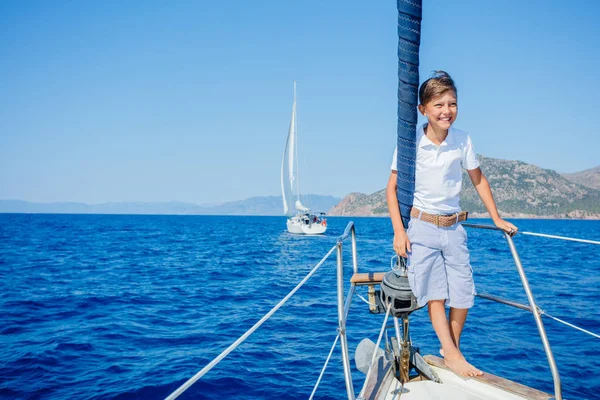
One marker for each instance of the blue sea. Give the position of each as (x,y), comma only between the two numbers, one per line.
(130,307)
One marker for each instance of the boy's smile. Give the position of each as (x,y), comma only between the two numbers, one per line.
(441,111)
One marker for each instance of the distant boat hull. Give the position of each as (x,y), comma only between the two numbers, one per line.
(306,224)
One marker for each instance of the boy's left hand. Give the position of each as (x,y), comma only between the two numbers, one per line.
(506,227)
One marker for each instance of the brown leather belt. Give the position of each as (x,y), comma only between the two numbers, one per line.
(439,219)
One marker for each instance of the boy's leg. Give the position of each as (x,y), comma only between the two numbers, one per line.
(458,316)
(461,291)
(429,283)
(437,314)
(453,358)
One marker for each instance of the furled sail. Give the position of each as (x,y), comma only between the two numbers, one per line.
(300,207)
(409,39)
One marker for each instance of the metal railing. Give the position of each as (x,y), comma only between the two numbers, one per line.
(343,309)
(532,305)
(344,302)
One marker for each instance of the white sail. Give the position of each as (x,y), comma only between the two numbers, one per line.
(300,207)
(288,174)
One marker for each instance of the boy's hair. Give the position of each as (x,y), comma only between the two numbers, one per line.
(439,83)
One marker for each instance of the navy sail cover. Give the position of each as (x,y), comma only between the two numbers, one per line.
(409,40)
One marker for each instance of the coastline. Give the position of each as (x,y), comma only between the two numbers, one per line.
(575,215)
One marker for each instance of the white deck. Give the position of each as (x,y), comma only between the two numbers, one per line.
(453,388)
(486,387)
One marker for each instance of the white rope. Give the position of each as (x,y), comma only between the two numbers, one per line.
(363,299)
(324,367)
(573,240)
(228,350)
(571,325)
(387,314)
(561,237)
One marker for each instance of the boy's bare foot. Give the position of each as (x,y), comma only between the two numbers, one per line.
(460,366)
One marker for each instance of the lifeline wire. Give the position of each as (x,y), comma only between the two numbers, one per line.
(324,367)
(571,325)
(232,347)
(363,299)
(387,314)
(572,240)
(561,237)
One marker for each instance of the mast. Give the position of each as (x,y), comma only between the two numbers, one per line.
(297,170)
(409,39)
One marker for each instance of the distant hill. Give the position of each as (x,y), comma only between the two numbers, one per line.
(520,190)
(269,205)
(589,178)
(172,207)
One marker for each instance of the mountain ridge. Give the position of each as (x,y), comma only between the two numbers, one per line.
(521,190)
(258,205)
(589,177)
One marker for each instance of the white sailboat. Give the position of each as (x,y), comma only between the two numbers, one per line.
(300,219)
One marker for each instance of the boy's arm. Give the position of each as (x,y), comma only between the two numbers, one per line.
(401,242)
(485,193)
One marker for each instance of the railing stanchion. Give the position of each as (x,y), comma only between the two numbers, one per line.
(342,322)
(534,308)
(354,256)
(537,317)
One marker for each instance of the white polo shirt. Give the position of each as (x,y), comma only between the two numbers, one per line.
(438,173)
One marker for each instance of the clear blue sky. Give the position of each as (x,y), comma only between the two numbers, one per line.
(191,100)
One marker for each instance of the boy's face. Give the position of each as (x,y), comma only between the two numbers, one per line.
(441,111)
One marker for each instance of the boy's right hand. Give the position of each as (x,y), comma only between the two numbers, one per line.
(401,244)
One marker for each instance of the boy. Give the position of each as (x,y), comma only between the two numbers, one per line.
(439,271)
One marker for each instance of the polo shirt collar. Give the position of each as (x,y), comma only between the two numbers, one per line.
(424,140)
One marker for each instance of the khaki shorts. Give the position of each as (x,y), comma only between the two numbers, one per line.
(439,264)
